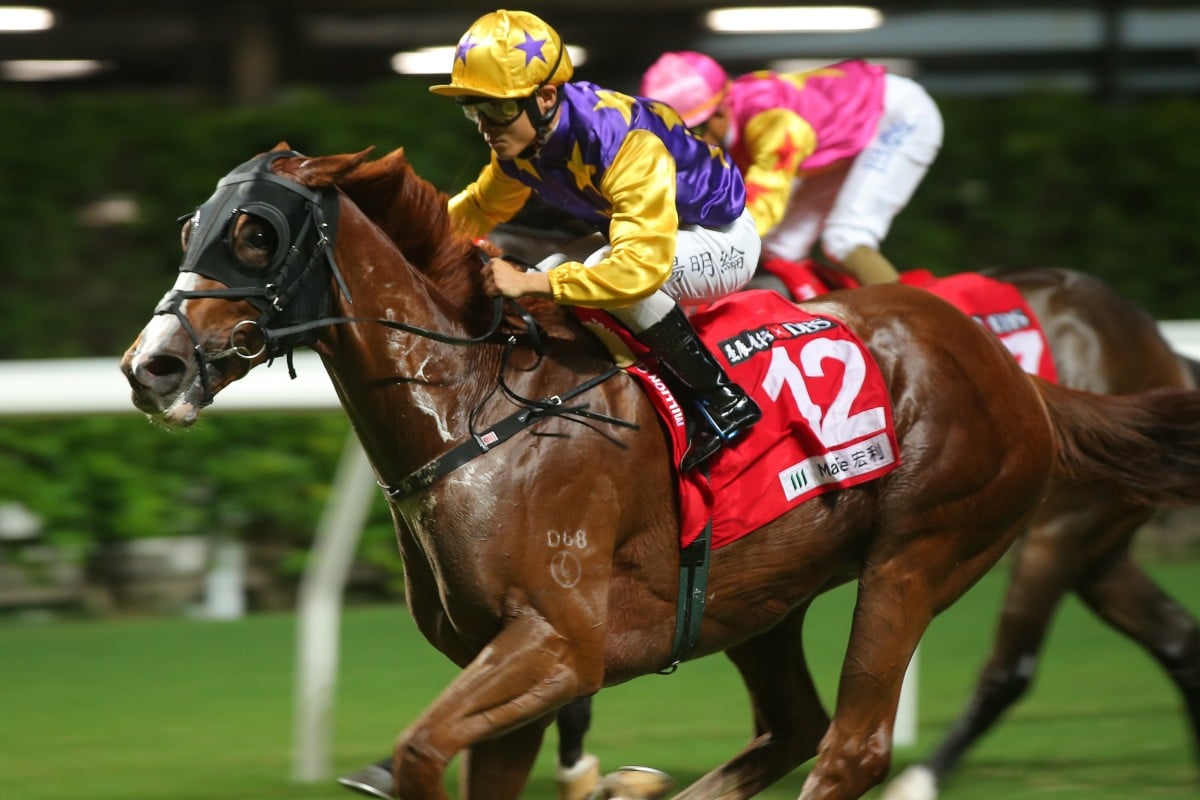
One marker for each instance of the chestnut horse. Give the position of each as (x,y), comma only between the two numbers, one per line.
(357,259)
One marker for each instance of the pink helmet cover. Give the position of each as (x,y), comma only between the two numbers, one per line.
(690,82)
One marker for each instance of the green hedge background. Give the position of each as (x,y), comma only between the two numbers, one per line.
(1053,179)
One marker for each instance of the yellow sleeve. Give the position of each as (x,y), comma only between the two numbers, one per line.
(639,186)
(778,142)
(493,198)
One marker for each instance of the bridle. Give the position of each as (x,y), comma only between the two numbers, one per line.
(292,307)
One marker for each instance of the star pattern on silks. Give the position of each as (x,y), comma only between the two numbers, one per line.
(532,48)
(621,102)
(464,44)
(754,191)
(717,152)
(788,154)
(668,115)
(582,171)
(525,165)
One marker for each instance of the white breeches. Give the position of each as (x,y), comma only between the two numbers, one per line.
(709,264)
(854,203)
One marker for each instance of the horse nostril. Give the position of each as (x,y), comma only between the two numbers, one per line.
(161,373)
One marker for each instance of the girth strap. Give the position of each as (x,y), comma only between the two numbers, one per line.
(693,592)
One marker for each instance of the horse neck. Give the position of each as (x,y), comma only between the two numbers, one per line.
(403,388)
(407,396)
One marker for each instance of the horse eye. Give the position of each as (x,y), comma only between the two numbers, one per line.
(262,239)
(254,242)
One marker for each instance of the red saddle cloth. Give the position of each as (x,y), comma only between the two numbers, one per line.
(827,416)
(995,304)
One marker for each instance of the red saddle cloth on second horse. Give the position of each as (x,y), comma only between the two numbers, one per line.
(827,415)
(997,305)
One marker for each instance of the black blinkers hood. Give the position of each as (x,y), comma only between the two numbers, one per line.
(304,221)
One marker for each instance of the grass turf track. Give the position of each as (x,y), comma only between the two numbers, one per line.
(192,710)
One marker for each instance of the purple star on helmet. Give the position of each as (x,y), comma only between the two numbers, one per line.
(464,44)
(532,48)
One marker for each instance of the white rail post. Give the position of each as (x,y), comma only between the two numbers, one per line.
(319,612)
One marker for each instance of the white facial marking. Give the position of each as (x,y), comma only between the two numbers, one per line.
(159,330)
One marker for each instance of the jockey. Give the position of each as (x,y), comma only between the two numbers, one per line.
(834,152)
(672,207)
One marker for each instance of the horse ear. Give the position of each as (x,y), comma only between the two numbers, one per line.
(283,145)
(328,170)
(394,159)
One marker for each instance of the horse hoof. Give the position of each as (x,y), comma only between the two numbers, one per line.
(915,783)
(579,781)
(373,781)
(634,783)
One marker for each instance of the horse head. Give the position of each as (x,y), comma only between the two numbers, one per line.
(262,270)
(250,253)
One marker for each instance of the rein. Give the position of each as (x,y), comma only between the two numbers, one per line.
(275,335)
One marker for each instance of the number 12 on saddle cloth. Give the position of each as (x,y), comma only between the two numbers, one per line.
(827,416)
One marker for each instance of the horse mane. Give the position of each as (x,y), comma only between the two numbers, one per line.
(412,212)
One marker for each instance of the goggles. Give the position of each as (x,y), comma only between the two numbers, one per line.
(494,112)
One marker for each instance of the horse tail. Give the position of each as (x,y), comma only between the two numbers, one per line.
(1144,446)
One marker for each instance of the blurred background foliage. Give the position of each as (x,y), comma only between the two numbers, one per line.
(1027,180)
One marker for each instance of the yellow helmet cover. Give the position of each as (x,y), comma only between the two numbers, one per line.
(507,54)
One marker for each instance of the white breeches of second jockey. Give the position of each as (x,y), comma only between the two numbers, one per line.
(854,203)
(709,264)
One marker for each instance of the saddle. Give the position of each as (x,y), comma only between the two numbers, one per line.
(821,430)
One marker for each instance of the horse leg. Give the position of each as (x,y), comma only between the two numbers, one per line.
(577,773)
(517,680)
(897,598)
(1040,576)
(499,767)
(855,752)
(1125,597)
(373,780)
(789,719)
(1055,555)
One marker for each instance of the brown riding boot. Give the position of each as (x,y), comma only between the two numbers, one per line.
(870,266)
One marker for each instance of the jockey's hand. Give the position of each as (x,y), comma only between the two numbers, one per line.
(502,278)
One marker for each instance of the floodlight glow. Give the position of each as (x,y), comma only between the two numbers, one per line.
(433,60)
(36,70)
(793,19)
(25,18)
(426,61)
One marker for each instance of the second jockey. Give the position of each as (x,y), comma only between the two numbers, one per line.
(833,153)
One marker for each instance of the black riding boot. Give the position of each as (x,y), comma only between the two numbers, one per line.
(725,409)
